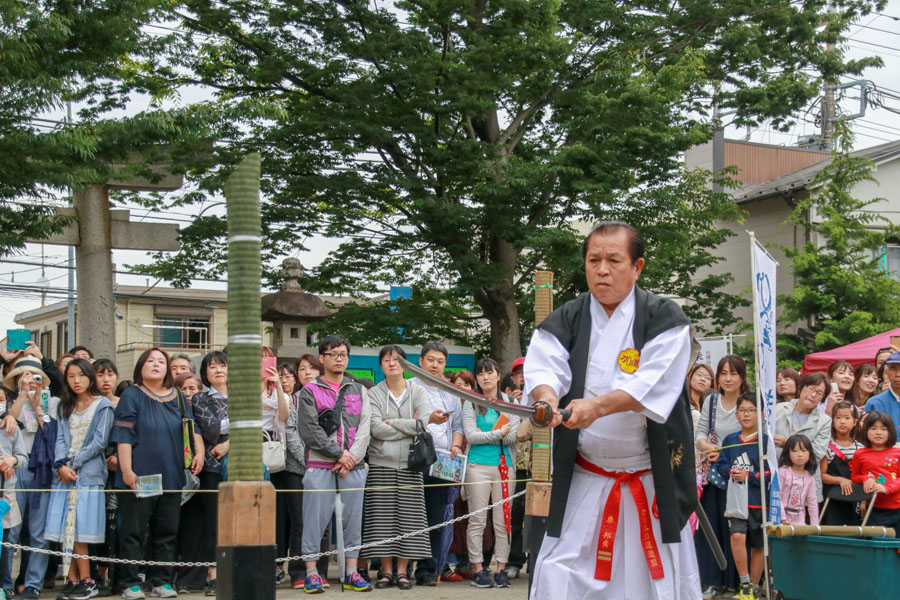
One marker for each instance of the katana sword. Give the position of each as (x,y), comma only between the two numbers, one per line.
(541,412)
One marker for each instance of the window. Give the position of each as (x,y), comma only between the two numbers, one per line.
(62,337)
(46,344)
(181,332)
(890,260)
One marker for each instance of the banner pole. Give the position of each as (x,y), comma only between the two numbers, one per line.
(760,401)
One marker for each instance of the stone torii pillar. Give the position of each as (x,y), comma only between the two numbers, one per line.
(96,233)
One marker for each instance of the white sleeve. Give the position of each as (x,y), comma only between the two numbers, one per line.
(661,373)
(546,363)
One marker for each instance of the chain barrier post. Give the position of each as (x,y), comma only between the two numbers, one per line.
(537,494)
(245,549)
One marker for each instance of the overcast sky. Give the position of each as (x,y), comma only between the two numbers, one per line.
(878,34)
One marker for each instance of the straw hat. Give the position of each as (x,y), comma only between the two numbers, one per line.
(25,364)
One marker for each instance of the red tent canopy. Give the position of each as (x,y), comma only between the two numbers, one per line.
(857,353)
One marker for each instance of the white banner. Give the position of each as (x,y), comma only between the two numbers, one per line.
(712,350)
(764,267)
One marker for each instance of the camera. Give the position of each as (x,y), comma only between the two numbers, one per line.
(37,377)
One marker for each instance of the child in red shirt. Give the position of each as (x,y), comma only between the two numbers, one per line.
(877,467)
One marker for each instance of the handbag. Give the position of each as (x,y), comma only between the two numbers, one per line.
(738,497)
(187,431)
(273,453)
(704,468)
(421,451)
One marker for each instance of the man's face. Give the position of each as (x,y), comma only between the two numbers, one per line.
(892,374)
(519,377)
(610,273)
(433,362)
(335,359)
(179,366)
(83,354)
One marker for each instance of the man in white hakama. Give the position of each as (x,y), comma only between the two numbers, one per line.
(609,544)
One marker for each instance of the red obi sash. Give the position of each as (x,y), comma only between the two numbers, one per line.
(610,523)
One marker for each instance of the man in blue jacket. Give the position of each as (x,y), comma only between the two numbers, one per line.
(889,402)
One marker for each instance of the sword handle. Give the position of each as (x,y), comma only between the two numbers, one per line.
(543,414)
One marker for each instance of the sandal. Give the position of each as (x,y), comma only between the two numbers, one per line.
(385,582)
(403,582)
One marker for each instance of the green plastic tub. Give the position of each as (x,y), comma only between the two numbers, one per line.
(824,568)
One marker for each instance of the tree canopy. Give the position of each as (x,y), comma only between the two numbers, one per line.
(55,52)
(451,143)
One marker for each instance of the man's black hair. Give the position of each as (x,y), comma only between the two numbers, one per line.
(635,240)
(508,383)
(75,349)
(434,347)
(748,397)
(333,341)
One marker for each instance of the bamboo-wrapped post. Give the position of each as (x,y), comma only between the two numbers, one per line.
(537,491)
(245,549)
(849,531)
(537,496)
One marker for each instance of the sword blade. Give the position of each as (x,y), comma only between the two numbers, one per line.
(525,412)
(711,539)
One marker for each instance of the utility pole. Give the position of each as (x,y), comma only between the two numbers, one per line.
(70,309)
(828,108)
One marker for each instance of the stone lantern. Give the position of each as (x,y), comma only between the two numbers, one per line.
(290,310)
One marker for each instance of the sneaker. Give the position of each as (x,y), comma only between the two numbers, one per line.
(66,592)
(313,584)
(85,590)
(279,575)
(163,591)
(103,588)
(501,579)
(29,593)
(746,592)
(355,582)
(512,572)
(482,579)
(133,593)
(710,592)
(451,575)
(297,584)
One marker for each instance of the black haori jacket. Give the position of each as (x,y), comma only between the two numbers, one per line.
(671,444)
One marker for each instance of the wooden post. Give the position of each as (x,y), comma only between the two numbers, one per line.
(245,548)
(537,492)
(537,496)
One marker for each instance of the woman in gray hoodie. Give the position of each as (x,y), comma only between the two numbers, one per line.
(395,500)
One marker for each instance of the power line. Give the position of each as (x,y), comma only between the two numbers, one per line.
(876,29)
(876,45)
(881,14)
(69,267)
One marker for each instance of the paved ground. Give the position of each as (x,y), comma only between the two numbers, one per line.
(446,591)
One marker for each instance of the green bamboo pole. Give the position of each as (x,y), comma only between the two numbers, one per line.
(244,321)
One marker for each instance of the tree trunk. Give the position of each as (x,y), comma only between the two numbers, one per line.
(503,316)
(499,304)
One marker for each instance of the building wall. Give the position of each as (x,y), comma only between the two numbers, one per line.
(759,163)
(767,218)
(133,335)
